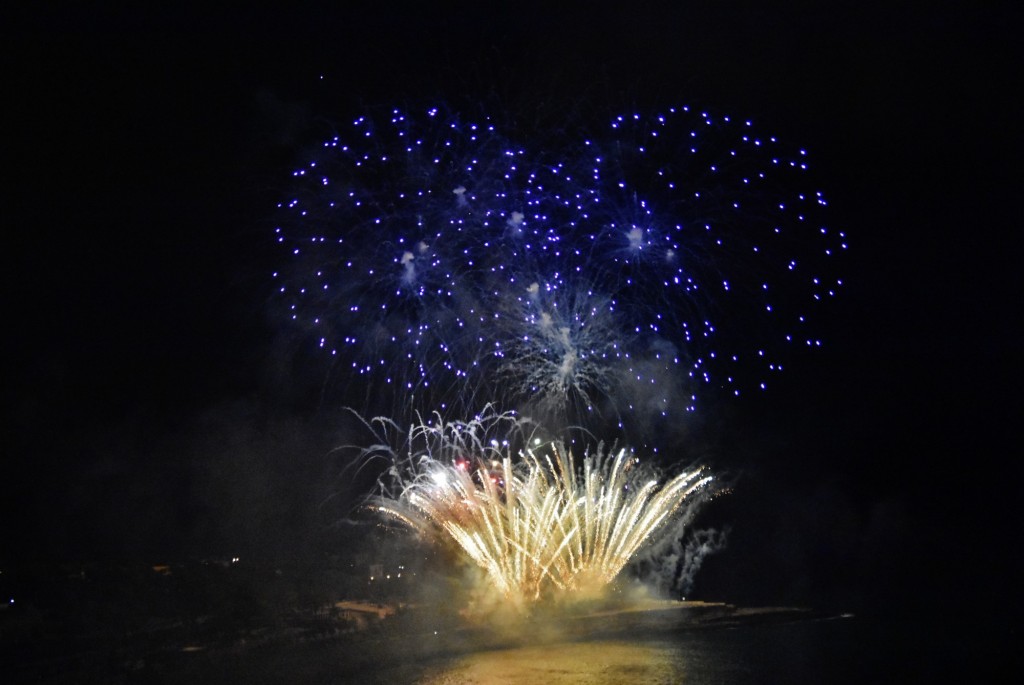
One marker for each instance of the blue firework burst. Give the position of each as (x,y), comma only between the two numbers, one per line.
(449,266)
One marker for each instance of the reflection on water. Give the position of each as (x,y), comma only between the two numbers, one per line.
(835,651)
(598,663)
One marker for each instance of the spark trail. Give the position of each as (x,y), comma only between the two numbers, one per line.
(603,282)
(536,522)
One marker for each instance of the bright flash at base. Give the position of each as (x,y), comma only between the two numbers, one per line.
(534,522)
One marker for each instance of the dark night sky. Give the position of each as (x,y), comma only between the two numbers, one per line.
(144,409)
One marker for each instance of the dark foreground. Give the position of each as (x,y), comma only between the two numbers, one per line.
(684,643)
(249,641)
(734,647)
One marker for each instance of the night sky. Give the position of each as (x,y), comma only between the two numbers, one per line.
(154,409)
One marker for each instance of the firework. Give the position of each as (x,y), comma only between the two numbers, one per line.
(715,228)
(596,284)
(387,230)
(447,266)
(533,521)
